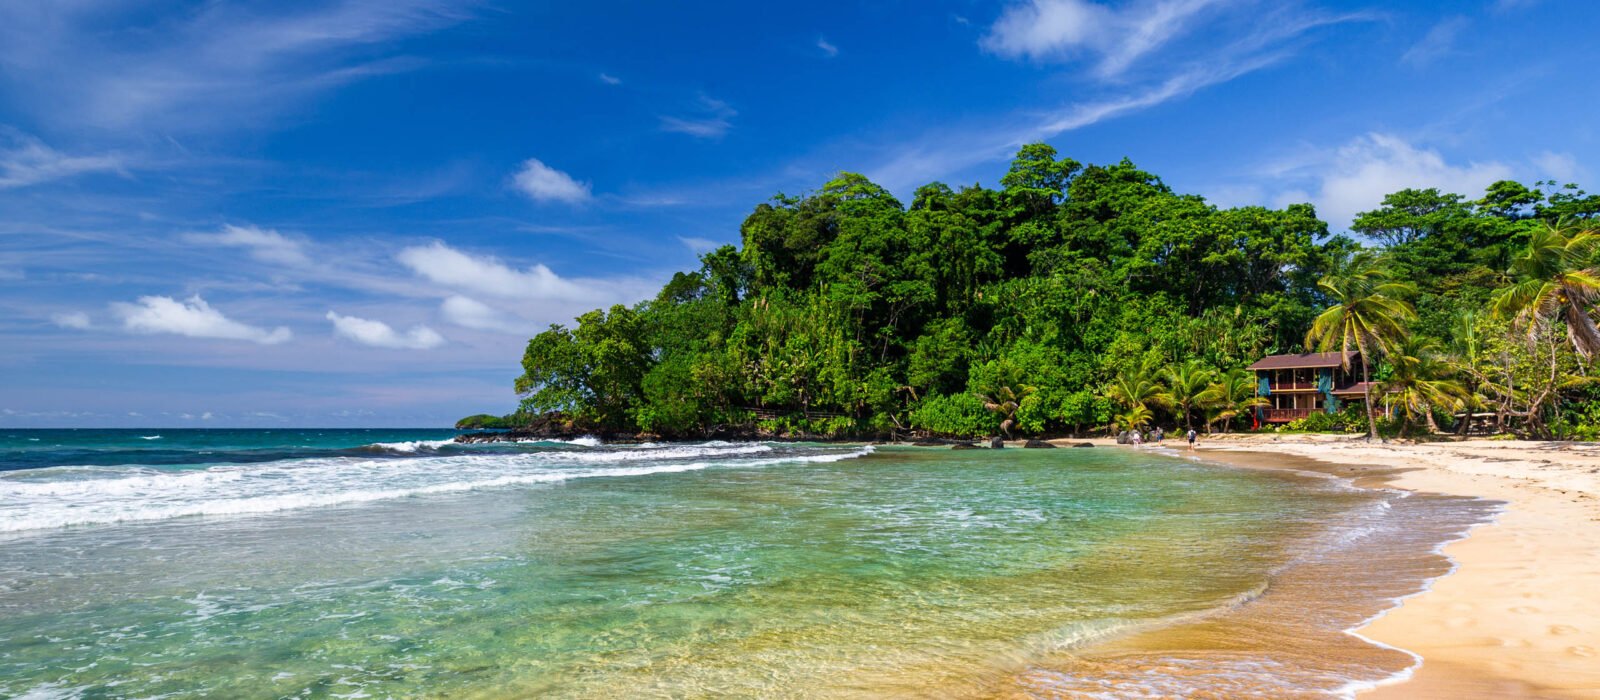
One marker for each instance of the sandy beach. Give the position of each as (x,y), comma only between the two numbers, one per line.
(1520,615)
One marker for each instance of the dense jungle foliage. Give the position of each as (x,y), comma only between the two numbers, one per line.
(1081,298)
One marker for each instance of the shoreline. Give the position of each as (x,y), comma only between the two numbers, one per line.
(1515,617)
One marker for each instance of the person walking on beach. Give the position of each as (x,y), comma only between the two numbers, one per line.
(1191,437)
(1160,435)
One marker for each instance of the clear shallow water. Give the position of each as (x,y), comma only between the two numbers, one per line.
(344,568)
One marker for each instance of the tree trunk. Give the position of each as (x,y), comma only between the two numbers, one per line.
(1433,426)
(1366,387)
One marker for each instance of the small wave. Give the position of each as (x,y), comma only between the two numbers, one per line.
(409,447)
(149,437)
(585,441)
(73,496)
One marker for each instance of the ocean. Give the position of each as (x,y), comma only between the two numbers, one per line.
(396,563)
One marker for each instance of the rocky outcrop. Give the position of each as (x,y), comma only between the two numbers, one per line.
(1039,445)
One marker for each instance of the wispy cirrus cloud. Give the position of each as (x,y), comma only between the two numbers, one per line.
(1240,37)
(712,118)
(262,244)
(91,62)
(827,47)
(25,160)
(1436,44)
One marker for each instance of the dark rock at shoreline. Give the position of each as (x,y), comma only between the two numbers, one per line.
(965,446)
(997,443)
(1084,444)
(1039,445)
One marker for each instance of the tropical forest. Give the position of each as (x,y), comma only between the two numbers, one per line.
(1084,299)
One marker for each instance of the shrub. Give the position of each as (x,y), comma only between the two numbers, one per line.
(957,415)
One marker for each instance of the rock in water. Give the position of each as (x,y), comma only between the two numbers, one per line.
(1084,444)
(965,446)
(1039,445)
(997,442)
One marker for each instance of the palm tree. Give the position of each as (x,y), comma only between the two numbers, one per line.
(1421,381)
(1469,360)
(1138,388)
(1185,383)
(1369,318)
(1134,418)
(1232,395)
(1557,279)
(1003,401)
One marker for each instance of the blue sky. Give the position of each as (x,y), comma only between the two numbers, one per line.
(355,213)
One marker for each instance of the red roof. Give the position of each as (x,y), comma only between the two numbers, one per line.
(1303,360)
(1356,389)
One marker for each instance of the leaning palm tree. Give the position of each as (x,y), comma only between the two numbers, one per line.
(1557,279)
(1370,317)
(1231,396)
(1134,418)
(1185,383)
(1421,381)
(1003,401)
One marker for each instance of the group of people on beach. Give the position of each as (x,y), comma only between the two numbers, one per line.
(1137,437)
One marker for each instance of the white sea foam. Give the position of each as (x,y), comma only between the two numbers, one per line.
(69,496)
(585,441)
(149,437)
(412,446)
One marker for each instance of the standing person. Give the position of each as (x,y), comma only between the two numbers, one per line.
(1191,437)
(1160,435)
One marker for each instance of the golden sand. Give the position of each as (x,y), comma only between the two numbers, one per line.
(1520,615)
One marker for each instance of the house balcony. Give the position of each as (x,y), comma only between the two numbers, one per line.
(1279,387)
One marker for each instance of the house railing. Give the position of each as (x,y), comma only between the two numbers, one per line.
(1294,386)
(1284,415)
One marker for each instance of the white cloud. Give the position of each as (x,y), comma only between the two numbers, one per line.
(76,319)
(263,244)
(1065,29)
(218,65)
(486,275)
(193,318)
(828,49)
(542,183)
(25,160)
(1561,167)
(380,335)
(610,79)
(1359,174)
(1251,38)
(1436,44)
(712,121)
(471,313)
(698,245)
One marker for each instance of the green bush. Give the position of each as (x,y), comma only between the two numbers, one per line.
(1345,421)
(958,415)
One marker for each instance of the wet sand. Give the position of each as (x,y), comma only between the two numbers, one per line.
(1519,617)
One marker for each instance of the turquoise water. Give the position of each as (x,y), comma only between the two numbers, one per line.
(354,564)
